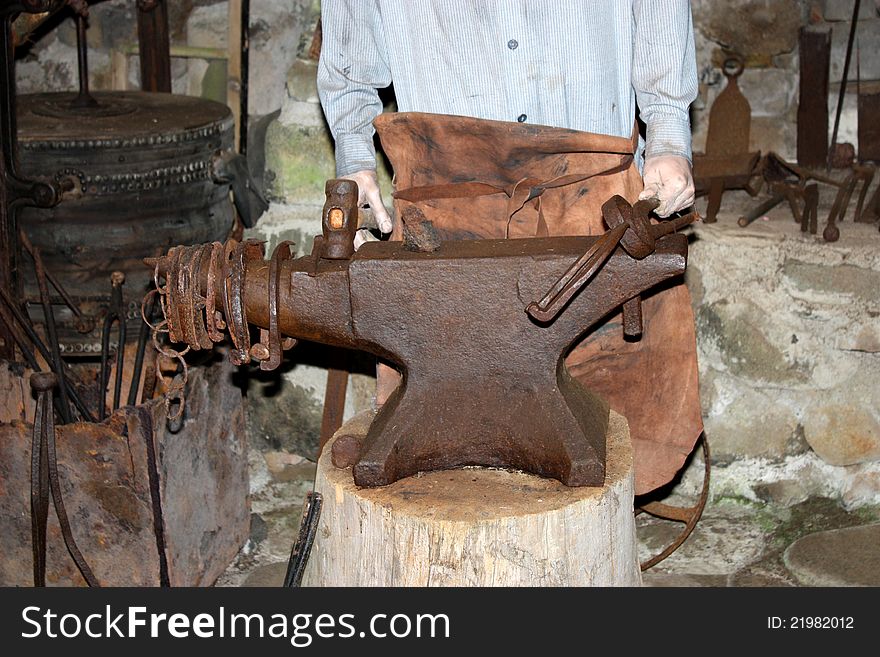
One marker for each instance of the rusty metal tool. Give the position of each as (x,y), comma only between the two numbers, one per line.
(727,162)
(631,228)
(791,181)
(45,480)
(308,527)
(864,174)
(690,516)
(115,313)
(760,210)
(52,335)
(16,316)
(16,189)
(449,319)
(62,291)
(730,118)
(810,217)
(83,98)
(140,352)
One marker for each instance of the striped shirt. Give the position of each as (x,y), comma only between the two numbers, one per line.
(581,64)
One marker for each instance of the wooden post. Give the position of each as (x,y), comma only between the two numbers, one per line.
(476,526)
(812,117)
(154,43)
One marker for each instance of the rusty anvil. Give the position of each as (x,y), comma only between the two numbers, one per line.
(484,379)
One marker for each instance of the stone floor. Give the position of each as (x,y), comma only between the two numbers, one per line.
(738,542)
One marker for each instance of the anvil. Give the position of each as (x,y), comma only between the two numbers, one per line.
(483,382)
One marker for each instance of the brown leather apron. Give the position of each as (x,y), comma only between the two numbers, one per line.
(474,178)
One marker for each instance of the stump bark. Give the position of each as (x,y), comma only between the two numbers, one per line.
(476,526)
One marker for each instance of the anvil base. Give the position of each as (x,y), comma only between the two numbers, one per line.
(551,428)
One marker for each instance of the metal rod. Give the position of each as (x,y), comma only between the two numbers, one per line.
(114,313)
(52,335)
(243,97)
(760,210)
(9,279)
(143,337)
(68,300)
(840,96)
(308,528)
(23,322)
(84,98)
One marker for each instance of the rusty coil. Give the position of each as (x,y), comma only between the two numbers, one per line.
(200,320)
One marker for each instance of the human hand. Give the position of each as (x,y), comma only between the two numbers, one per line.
(370,196)
(669,179)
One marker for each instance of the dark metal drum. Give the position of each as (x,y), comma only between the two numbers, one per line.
(142,171)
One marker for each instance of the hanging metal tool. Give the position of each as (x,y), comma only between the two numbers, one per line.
(302,547)
(690,516)
(115,313)
(45,480)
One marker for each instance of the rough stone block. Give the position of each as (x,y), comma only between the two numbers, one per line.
(112,24)
(208,26)
(51,68)
(843,435)
(848,131)
(750,423)
(868,39)
(276,28)
(842,10)
(302,81)
(787,332)
(785,492)
(777,134)
(302,160)
(285,414)
(858,282)
(740,334)
(863,489)
(752,27)
(771,92)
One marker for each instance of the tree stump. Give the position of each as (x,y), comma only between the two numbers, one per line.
(476,526)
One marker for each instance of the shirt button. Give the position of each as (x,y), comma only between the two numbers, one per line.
(513,44)
(522,118)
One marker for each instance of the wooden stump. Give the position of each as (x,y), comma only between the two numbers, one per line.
(476,526)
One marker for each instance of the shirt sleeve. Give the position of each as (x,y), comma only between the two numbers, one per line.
(353,65)
(664,74)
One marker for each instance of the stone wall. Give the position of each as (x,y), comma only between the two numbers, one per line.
(279,30)
(789,347)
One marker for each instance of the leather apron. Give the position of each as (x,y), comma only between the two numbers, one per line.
(475,178)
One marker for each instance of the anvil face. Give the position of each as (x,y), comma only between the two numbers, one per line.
(483,383)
